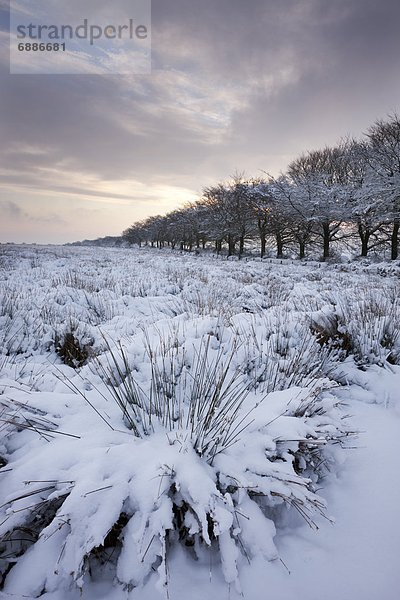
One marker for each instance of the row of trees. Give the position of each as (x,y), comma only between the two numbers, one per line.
(350,190)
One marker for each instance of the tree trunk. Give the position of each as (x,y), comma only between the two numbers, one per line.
(241,246)
(395,239)
(302,246)
(263,244)
(364,237)
(231,245)
(364,245)
(279,245)
(326,236)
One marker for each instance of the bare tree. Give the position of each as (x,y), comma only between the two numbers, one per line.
(232,213)
(365,204)
(384,159)
(322,175)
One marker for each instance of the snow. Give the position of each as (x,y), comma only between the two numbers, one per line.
(272,340)
(358,556)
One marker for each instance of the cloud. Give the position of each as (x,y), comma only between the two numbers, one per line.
(234,86)
(10,209)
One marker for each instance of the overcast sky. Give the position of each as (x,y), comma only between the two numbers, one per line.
(236,85)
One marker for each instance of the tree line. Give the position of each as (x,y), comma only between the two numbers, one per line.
(348,191)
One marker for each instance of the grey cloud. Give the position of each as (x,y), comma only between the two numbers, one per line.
(48,219)
(235,85)
(14,212)
(10,209)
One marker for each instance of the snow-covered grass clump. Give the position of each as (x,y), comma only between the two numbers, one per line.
(149,401)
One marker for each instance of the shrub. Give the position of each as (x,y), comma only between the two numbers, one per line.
(195,458)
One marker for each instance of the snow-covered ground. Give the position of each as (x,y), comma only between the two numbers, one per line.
(300,360)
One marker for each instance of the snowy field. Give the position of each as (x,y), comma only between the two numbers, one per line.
(177,425)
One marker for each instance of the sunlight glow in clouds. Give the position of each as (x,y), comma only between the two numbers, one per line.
(68,213)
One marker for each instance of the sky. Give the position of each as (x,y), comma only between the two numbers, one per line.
(235,86)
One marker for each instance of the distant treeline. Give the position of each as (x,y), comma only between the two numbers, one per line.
(351,190)
(106,242)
